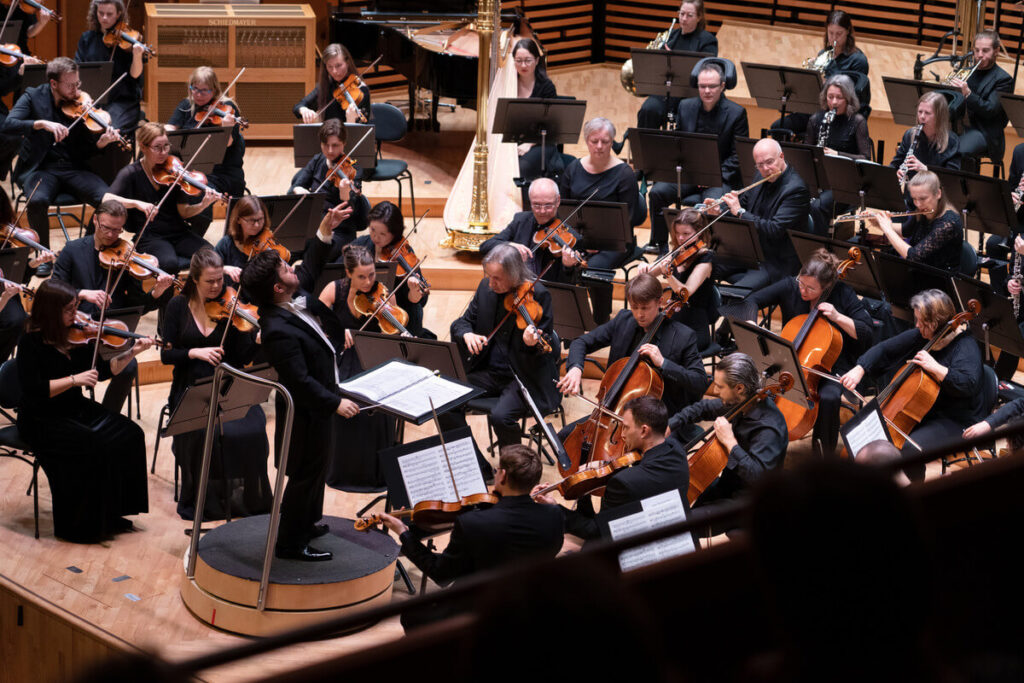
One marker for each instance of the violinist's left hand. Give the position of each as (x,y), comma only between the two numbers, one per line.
(724,433)
(229,120)
(40,259)
(929,364)
(209,198)
(531,337)
(415,289)
(568,257)
(141,344)
(138,49)
(344,187)
(162,283)
(545,498)
(30,59)
(109,135)
(653,354)
(393,523)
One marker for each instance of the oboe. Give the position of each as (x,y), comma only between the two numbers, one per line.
(911,150)
(826,127)
(1016,276)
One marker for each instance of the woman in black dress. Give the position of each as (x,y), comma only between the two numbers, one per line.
(386,233)
(842,308)
(533,82)
(168,236)
(335,66)
(122,103)
(32,23)
(94,459)
(238,472)
(614,181)
(931,143)
(355,465)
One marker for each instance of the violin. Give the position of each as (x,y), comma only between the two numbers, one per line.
(11,54)
(433,512)
(217,116)
(33,7)
(261,242)
(245,318)
(192,183)
(406,258)
(598,437)
(22,237)
(116,334)
(709,461)
(125,38)
(391,317)
(556,237)
(143,267)
(592,479)
(818,344)
(347,168)
(26,293)
(349,94)
(94,118)
(527,311)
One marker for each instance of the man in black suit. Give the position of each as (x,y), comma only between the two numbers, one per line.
(51,154)
(985,133)
(544,202)
(292,328)
(663,467)
(710,112)
(509,350)
(672,348)
(774,207)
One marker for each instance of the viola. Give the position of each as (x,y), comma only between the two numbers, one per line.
(818,344)
(192,183)
(94,118)
(527,311)
(115,335)
(217,116)
(143,267)
(391,317)
(433,512)
(556,237)
(33,7)
(261,242)
(349,94)
(592,479)
(709,461)
(406,258)
(125,38)
(598,437)
(11,54)
(245,318)
(21,237)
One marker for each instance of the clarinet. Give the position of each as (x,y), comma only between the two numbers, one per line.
(1016,276)
(911,150)
(826,127)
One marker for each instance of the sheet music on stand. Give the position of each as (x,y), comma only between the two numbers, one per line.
(654,512)
(406,390)
(418,471)
(865,427)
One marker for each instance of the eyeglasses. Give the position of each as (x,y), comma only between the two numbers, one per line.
(200,91)
(525,62)
(544,207)
(806,288)
(160,148)
(253,220)
(75,84)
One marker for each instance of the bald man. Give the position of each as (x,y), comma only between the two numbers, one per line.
(774,207)
(544,202)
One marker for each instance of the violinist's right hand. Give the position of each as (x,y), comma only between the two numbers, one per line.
(89,378)
(978,429)
(58,131)
(209,354)
(298,189)
(852,378)
(308,115)
(524,251)
(30,59)
(347,408)
(544,498)
(571,382)
(474,342)
(349,341)
(97,297)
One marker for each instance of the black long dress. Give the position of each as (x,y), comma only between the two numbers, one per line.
(238,470)
(354,465)
(94,459)
(123,102)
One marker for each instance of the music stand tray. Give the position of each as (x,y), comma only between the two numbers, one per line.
(987,200)
(14,263)
(601,225)
(773,356)
(863,278)
(902,279)
(736,242)
(11,31)
(301,226)
(570,310)
(783,88)
(996,325)
(851,177)
(553,121)
(1013,105)
(664,73)
(676,157)
(306,143)
(440,356)
(184,144)
(234,402)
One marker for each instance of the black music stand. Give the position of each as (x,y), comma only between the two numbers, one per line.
(11,31)
(95,77)
(772,355)
(784,88)
(14,263)
(1013,105)
(986,201)
(806,160)
(543,121)
(676,157)
(862,184)
(570,310)
(902,279)
(996,325)
(665,73)
(903,94)
(440,356)
(386,273)
(301,226)
(863,278)
(306,143)
(234,402)
(184,144)
(601,225)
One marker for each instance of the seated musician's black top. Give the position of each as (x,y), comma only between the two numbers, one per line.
(543,87)
(936,243)
(848,135)
(521,230)
(334,109)
(985,111)
(92,49)
(696,41)
(775,208)
(855,61)
(78,264)
(728,121)
(37,146)
(927,153)
(616,184)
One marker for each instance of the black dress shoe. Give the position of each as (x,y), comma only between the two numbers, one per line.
(319,530)
(304,554)
(655,248)
(44,270)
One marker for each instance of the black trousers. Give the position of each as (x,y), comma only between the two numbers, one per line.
(54,179)
(601,292)
(302,504)
(930,433)
(174,252)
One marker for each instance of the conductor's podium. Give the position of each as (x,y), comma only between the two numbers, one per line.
(229,563)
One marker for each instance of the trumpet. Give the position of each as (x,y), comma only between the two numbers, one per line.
(967,67)
(820,61)
(867,215)
(626,76)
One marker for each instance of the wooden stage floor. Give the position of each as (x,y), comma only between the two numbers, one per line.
(145,610)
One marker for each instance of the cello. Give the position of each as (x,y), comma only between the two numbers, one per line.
(818,344)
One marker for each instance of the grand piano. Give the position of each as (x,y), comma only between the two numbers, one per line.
(434,49)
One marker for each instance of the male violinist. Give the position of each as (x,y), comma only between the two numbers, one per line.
(514,529)
(756,440)
(332,149)
(54,156)
(672,349)
(79,265)
(544,202)
(509,349)
(662,468)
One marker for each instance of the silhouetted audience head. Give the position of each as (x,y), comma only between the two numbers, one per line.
(881,454)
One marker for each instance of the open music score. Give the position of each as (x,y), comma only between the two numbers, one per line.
(426,476)
(405,389)
(655,512)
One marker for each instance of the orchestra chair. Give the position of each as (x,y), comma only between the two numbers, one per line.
(390,126)
(161,423)
(11,443)
(997,165)
(485,406)
(969,263)
(989,393)
(57,210)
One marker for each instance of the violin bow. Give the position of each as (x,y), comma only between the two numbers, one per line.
(122,20)
(92,104)
(687,243)
(604,411)
(359,75)
(10,13)
(444,447)
(392,293)
(563,222)
(415,224)
(220,98)
(519,300)
(14,225)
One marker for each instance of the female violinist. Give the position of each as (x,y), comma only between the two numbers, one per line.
(341,189)
(935,238)
(94,458)
(386,234)
(12,317)
(337,70)
(692,274)
(32,22)
(168,237)
(203,91)
(238,477)
(123,101)
(533,82)
(818,287)
(953,361)
(355,467)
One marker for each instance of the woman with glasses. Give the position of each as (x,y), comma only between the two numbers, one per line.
(123,101)
(533,82)
(817,286)
(168,236)
(321,104)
